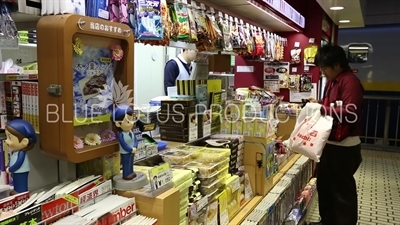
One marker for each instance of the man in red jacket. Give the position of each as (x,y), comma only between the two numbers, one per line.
(343,100)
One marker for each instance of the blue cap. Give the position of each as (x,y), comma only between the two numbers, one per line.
(120,111)
(25,128)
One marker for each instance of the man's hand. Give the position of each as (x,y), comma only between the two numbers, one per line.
(313,100)
(134,150)
(8,170)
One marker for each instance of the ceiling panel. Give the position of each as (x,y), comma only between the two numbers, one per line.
(249,13)
(352,11)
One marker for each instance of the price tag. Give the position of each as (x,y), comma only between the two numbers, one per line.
(297,44)
(306,68)
(294,69)
(202,203)
(212,10)
(311,40)
(235,185)
(224,218)
(160,176)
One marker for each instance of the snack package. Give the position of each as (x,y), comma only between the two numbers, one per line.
(166,23)
(123,11)
(309,54)
(113,9)
(132,14)
(215,33)
(306,82)
(295,56)
(192,22)
(148,20)
(236,41)
(224,25)
(294,82)
(259,40)
(180,22)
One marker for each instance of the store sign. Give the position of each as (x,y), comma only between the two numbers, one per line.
(160,176)
(104,27)
(287,10)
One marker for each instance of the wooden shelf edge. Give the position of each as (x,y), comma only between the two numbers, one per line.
(245,211)
(248,208)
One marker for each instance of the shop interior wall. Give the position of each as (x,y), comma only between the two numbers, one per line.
(149,64)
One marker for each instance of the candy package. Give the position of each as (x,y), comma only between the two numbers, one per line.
(180,20)
(148,20)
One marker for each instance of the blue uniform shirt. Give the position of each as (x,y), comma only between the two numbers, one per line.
(126,141)
(19,162)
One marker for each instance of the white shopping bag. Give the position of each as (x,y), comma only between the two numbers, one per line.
(311,132)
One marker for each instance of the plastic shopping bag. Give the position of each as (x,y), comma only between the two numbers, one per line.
(311,132)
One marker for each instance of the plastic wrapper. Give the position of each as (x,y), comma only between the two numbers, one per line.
(8,29)
(212,156)
(207,190)
(176,157)
(207,169)
(192,23)
(148,20)
(207,180)
(180,22)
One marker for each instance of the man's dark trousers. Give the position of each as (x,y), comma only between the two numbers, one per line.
(337,190)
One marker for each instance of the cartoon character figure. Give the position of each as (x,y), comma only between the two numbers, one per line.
(123,118)
(21,137)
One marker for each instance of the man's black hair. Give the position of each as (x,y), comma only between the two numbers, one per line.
(330,56)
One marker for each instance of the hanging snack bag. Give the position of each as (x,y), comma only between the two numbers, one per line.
(180,21)
(192,22)
(224,25)
(249,39)
(309,54)
(242,35)
(259,40)
(215,33)
(201,27)
(305,82)
(148,20)
(235,34)
(166,22)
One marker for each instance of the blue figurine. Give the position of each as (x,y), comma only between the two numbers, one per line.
(21,137)
(123,118)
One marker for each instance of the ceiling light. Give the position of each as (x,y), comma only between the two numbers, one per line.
(337,8)
(344,21)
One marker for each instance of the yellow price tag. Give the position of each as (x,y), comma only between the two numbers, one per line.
(72,199)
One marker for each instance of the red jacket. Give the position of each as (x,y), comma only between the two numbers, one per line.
(347,94)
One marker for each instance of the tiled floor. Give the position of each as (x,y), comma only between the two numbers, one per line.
(378,181)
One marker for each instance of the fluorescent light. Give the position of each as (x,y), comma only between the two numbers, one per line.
(271,15)
(337,8)
(344,21)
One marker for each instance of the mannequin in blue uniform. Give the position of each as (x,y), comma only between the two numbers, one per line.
(124,120)
(21,137)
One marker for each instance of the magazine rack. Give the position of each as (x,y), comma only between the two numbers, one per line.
(79,76)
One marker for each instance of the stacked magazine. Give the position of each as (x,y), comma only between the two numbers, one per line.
(88,200)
